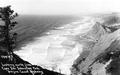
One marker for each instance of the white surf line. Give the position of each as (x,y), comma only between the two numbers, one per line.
(57,50)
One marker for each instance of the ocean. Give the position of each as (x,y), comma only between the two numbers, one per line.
(31,26)
(51,42)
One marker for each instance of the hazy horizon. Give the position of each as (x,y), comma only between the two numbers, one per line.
(62,7)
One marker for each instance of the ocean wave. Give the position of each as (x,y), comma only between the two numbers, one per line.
(58,48)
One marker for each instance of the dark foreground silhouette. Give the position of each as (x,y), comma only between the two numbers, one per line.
(17,66)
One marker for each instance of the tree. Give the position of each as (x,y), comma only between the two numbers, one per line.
(7,38)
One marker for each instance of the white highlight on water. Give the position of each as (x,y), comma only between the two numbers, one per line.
(59,48)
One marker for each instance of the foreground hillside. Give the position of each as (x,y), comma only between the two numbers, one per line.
(17,66)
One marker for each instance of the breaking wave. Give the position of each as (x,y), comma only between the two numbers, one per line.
(58,48)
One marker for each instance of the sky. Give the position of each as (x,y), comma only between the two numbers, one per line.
(38,7)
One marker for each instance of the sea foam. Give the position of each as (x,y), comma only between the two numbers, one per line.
(58,49)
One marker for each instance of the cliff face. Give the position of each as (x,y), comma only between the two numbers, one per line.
(101,52)
(58,48)
(84,47)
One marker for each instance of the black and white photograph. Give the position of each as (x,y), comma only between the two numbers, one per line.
(59,37)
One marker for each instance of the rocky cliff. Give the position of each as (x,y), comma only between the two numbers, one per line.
(101,50)
(86,47)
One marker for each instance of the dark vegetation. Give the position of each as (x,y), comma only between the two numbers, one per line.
(17,60)
(111,53)
(109,22)
(114,67)
(111,19)
(8,60)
